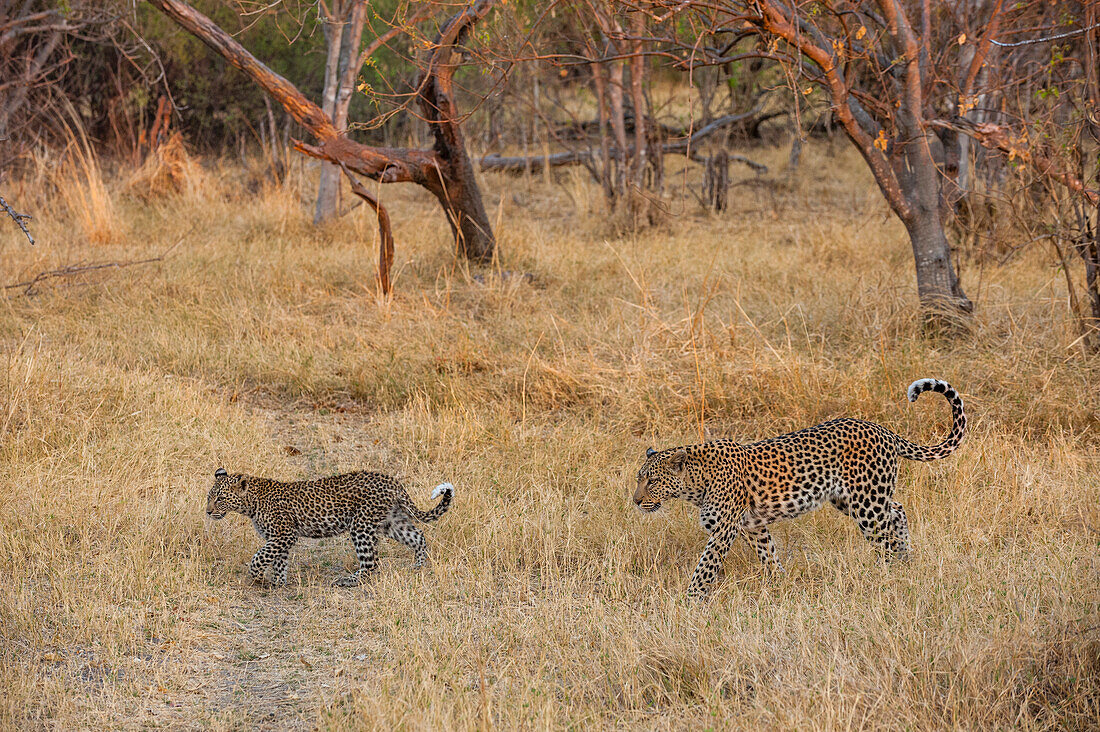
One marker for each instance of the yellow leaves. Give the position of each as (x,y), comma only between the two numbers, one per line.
(838,48)
(861,32)
(962,38)
(880,141)
(807,90)
(966,104)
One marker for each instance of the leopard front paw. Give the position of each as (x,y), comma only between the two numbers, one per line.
(696,592)
(351,580)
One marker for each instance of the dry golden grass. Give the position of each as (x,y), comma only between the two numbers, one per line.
(168,170)
(550,602)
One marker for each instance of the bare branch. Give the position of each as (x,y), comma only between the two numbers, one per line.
(1046,39)
(20,219)
(385,231)
(75,269)
(1000,138)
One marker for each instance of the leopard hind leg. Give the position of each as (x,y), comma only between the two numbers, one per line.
(364,537)
(899,526)
(879,521)
(400,527)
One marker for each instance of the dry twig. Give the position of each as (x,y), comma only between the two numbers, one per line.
(74,269)
(385,232)
(18,218)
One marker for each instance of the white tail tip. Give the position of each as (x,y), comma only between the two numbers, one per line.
(441,489)
(920,386)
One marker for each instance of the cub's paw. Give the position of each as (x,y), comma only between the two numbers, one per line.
(351,580)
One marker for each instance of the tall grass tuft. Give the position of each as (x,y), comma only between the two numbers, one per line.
(79,180)
(168,170)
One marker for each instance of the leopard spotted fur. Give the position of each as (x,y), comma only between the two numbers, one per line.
(741,489)
(362,504)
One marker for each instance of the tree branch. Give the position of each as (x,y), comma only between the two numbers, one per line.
(998,137)
(18,218)
(305,112)
(75,269)
(385,232)
(776,23)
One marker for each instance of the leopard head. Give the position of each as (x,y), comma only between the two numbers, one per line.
(228,494)
(661,477)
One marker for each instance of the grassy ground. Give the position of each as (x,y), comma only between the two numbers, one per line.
(260,344)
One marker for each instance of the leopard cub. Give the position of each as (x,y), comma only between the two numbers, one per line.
(363,504)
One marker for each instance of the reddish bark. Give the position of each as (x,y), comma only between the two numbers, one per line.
(385,231)
(445,170)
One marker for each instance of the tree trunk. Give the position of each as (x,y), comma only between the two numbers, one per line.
(343,34)
(618,125)
(599,82)
(444,170)
(457,189)
(328,188)
(919,180)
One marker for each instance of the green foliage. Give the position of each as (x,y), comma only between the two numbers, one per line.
(217,101)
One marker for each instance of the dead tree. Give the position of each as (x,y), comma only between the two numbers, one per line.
(444,170)
(716,180)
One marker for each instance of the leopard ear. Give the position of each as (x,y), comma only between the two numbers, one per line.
(677,460)
(650,452)
(220,473)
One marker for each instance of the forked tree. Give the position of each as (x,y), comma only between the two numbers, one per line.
(444,169)
(882,64)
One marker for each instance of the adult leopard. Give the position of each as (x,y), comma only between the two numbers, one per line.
(851,463)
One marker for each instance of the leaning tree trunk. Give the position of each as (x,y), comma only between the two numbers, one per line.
(444,170)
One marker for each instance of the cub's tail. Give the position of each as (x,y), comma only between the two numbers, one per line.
(443,489)
(912,451)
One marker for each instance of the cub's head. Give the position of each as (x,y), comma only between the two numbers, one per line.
(226,495)
(661,477)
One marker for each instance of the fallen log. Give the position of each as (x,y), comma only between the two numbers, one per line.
(533,164)
(684,146)
(494,162)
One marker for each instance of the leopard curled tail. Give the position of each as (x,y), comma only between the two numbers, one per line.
(443,489)
(913,451)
